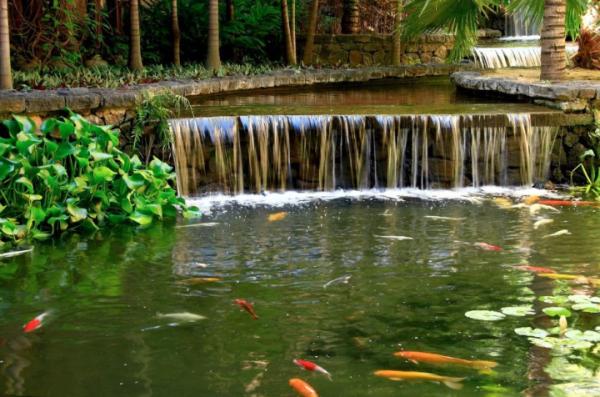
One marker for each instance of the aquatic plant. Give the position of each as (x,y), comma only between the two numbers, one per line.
(66,173)
(588,53)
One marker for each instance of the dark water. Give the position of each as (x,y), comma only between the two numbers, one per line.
(388,96)
(103,337)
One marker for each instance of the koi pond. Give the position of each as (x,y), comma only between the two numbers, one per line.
(342,280)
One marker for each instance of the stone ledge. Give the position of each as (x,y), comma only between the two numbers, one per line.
(569,96)
(89,100)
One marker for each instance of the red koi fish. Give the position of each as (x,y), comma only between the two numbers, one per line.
(310,366)
(302,388)
(36,323)
(488,247)
(247,306)
(535,269)
(566,203)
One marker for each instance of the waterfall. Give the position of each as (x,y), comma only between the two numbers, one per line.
(510,57)
(518,27)
(276,153)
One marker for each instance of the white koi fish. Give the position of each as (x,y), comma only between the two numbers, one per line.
(542,222)
(339,280)
(204,224)
(563,232)
(535,208)
(396,238)
(443,218)
(11,254)
(183,316)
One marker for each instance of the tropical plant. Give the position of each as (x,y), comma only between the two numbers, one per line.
(5,69)
(135,47)
(462,17)
(176,33)
(311,30)
(588,53)
(213,60)
(66,174)
(351,17)
(590,172)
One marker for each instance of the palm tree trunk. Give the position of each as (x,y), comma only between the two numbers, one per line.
(5,71)
(287,35)
(554,59)
(293,28)
(311,31)
(397,35)
(176,35)
(351,17)
(135,47)
(213,61)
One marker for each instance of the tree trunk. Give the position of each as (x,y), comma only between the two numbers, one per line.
(351,17)
(5,72)
(311,31)
(176,35)
(98,17)
(290,57)
(135,47)
(293,28)
(397,34)
(230,11)
(554,58)
(213,61)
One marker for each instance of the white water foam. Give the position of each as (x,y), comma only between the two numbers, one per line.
(471,195)
(534,37)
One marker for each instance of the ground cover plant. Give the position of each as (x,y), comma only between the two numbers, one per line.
(67,173)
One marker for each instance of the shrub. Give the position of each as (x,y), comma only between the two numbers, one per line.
(67,173)
(588,55)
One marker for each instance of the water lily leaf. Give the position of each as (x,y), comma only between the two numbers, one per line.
(576,389)
(590,336)
(583,299)
(518,311)
(587,307)
(554,300)
(533,332)
(561,369)
(485,315)
(556,311)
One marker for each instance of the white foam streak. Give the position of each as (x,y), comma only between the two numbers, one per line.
(295,198)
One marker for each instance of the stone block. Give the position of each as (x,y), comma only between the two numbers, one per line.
(425,57)
(379,58)
(441,52)
(355,57)
(11,102)
(44,101)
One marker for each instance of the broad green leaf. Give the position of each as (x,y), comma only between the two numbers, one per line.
(38,214)
(533,332)
(25,182)
(485,315)
(6,168)
(587,307)
(557,311)
(140,218)
(554,300)
(590,336)
(77,213)
(103,174)
(65,149)
(518,311)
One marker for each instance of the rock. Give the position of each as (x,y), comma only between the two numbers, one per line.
(355,57)
(441,52)
(425,57)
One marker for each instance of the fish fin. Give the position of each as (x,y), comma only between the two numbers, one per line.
(454,383)
(483,365)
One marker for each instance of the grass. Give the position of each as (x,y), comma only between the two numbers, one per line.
(115,76)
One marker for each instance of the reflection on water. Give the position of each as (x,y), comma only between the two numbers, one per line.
(106,288)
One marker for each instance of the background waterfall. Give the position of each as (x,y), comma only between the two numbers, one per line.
(518,27)
(276,153)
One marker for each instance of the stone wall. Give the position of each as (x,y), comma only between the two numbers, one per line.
(376,49)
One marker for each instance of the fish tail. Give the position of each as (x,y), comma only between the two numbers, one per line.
(453,383)
(483,365)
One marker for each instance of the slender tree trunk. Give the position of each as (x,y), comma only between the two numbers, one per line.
(214,59)
(293,28)
(230,11)
(311,31)
(176,35)
(290,57)
(5,71)
(554,58)
(397,34)
(351,17)
(98,8)
(135,47)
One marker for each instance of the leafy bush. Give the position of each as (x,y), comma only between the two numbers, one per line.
(68,173)
(588,55)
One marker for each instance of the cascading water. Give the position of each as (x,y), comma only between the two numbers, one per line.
(517,27)
(276,153)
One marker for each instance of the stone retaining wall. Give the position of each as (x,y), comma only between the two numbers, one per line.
(376,49)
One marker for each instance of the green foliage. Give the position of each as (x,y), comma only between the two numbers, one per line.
(69,174)
(151,126)
(589,169)
(115,76)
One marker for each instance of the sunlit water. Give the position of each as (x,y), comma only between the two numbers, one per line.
(103,337)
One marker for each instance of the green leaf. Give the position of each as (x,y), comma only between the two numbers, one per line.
(77,213)
(6,168)
(587,307)
(518,311)
(141,218)
(590,336)
(99,156)
(39,235)
(25,182)
(528,331)
(554,300)
(103,174)
(485,315)
(64,150)
(557,311)
(38,214)
(586,154)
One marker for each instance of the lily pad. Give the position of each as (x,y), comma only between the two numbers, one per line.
(587,307)
(485,315)
(518,311)
(584,299)
(576,389)
(590,336)
(561,369)
(533,332)
(554,300)
(556,311)
(561,346)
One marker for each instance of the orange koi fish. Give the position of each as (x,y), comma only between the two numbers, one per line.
(487,247)
(453,383)
(302,388)
(36,323)
(278,216)
(199,280)
(417,357)
(531,199)
(247,306)
(566,203)
(535,269)
(310,366)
